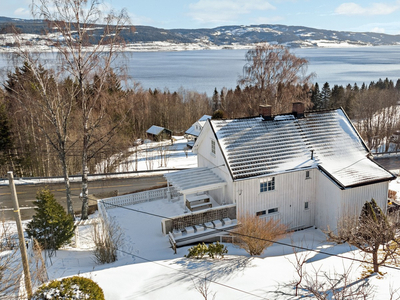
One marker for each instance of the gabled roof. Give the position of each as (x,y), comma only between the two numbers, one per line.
(156,130)
(253,147)
(195,132)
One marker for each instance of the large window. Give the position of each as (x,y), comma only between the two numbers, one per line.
(212,146)
(267,184)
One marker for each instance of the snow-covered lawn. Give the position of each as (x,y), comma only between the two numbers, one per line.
(148,269)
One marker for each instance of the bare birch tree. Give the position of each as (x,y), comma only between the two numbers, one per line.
(86,52)
(48,103)
(270,69)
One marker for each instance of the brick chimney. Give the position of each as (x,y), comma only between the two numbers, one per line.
(298,110)
(265,112)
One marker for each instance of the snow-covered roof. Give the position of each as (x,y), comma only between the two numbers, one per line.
(195,130)
(155,130)
(194,180)
(254,147)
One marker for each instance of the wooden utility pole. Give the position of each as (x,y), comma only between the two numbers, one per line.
(22,247)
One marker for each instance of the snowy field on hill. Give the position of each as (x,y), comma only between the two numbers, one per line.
(147,267)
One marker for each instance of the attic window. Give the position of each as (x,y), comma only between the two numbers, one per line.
(267,184)
(212,146)
(308,175)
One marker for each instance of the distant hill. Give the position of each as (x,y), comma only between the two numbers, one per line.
(147,38)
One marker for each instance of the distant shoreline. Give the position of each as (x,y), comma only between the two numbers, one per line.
(172,47)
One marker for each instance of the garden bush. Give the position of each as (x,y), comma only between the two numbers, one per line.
(216,250)
(69,288)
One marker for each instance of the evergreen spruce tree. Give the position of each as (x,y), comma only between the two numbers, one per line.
(325,95)
(51,226)
(215,100)
(316,97)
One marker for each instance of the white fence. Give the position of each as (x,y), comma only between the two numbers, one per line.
(135,198)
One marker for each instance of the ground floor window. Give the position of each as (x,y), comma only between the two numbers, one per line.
(261,213)
(273,210)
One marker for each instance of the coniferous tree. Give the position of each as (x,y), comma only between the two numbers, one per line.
(215,100)
(51,226)
(316,97)
(325,95)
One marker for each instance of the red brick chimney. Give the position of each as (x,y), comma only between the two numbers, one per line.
(298,110)
(265,112)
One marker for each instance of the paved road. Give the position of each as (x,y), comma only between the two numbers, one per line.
(392,163)
(26,193)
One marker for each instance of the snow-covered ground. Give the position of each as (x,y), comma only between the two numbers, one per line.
(147,268)
(148,159)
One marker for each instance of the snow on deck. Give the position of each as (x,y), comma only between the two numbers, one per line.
(254,147)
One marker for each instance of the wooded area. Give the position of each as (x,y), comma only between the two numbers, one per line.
(26,150)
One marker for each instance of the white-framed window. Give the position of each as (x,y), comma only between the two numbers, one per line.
(308,175)
(261,213)
(306,205)
(273,210)
(212,146)
(267,184)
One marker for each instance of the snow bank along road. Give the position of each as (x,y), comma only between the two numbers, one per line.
(26,193)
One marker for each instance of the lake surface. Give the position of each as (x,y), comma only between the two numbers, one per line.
(206,69)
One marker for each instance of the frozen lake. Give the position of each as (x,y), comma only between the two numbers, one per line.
(205,70)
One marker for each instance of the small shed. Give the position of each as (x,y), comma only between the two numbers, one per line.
(157,133)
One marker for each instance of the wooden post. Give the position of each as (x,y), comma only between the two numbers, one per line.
(22,247)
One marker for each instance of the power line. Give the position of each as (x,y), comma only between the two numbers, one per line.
(188,273)
(261,239)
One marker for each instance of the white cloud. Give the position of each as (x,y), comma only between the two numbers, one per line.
(388,28)
(378,30)
(352,8)
(23,12)
(222,11)
(263,20)
(140,20)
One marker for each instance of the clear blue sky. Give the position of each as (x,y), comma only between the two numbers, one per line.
(365,15)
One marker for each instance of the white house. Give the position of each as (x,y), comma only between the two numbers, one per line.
(194,131)
(307,169)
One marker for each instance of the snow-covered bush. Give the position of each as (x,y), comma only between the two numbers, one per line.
(213,250)
(70,288)
(217,250)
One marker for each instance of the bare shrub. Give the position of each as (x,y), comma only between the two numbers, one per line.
(324,285)
(255,234)
(369,232)
(299,265)
(107,237)
(203,287)
(10,266)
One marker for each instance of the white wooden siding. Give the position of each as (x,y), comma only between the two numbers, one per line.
(217,162)
(334,203)
(292,190)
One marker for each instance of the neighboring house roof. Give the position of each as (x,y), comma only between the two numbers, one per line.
(196,131)
(255,147)
(156,130)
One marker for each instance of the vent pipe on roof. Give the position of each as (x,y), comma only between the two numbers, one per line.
(298,110)
(265,112)
(312,154)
